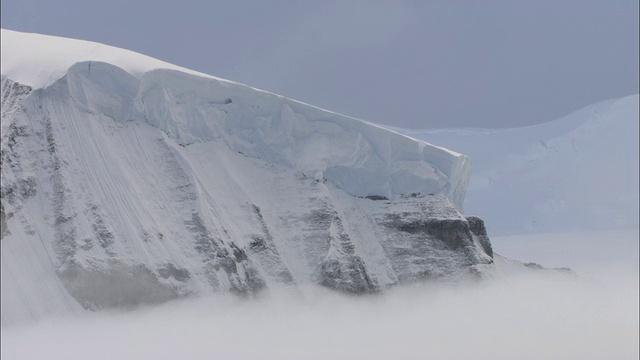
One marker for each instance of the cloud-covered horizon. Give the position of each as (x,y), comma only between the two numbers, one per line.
(525,316)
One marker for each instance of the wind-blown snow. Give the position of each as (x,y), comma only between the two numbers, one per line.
(577,173)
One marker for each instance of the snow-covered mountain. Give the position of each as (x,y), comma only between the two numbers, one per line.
(126,180)
(578,173)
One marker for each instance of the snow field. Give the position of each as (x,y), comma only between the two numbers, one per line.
(577,173)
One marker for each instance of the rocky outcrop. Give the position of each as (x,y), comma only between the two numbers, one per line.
(476,225)
(3,222)
(13,95)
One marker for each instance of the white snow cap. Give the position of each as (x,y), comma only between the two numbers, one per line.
(39,60)
(362,159)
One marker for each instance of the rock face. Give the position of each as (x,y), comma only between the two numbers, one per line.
(479,232)
(3,222)
(130,191)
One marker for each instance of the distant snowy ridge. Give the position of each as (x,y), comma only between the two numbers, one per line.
(579,172)
(135,182)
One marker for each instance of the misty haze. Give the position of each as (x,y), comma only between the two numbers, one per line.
(485,207)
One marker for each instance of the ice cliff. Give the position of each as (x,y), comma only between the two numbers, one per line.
(129,181)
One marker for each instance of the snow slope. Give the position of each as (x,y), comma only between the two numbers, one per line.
(196,97)
(578,173)
(49,57)
(131,181)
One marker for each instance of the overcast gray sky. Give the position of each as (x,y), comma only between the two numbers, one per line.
(415,64)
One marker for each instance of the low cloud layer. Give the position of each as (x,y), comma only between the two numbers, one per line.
(525,316)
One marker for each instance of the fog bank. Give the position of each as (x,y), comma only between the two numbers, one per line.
(524,316)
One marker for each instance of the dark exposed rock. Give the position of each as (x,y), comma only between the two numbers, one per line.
(27,187)
(534,266)
(169,270)
(562,270)
(257,243)
(262,247)
(476,225)
(13,95)
(429,239)
(377,197)
(238,253)
(219,258)
(3,222)
(347,275)
(453,232)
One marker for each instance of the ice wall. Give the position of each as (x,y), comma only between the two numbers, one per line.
(360,158)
